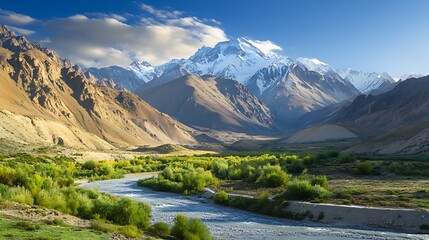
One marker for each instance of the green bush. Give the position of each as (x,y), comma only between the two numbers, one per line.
(130,212)
(221,197)
(347,157)
(180,180)
(299,189)
(21,195)
(319,180)
(103,227)
(52,198)
(272,176)
(161,229)
(363,168)
(130,231)
(162,185)
(180,227)
(28,226)
(89,165)
(187,229)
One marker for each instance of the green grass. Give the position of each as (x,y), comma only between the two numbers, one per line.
(12,228)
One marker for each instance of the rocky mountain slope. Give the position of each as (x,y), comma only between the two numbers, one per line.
(210,102)
(121,77)
(43,99)
(409,140)
(404,105)
(290,91)
(288,87)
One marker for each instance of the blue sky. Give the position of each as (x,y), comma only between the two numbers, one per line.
(370,35)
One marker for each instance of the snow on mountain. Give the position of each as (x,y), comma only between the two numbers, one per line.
(365,82)
(266,77)
(240,60)
(237,59)
(314,65)
(143,70)
(410,75)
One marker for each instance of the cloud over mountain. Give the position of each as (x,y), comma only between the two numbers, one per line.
(114,39)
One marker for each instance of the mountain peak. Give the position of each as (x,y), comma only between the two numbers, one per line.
(141,63)
(14,43)
(314,64)
(6,32)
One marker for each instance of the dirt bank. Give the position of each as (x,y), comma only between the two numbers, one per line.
(408,220)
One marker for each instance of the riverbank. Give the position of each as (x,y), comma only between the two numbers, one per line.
(230,223)
(406,220)
(398,219)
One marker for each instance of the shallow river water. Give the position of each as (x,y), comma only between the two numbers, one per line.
(230,223)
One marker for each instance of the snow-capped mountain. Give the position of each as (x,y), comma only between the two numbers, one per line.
(292,90)
(143,70)
(410,75)
(237,59)
(266,77)
(365,82)
(315,65)
(121,77)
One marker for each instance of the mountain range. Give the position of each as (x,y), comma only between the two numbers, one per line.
(46,100)
(288,87)
(233,88)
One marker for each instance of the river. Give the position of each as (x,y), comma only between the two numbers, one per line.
(230,223)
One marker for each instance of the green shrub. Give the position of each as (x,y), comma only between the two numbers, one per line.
(296,166)
(89,165)
(198,180)
(130,231)
(363,168)
(347,157)
(272,176)
(187,229)
(28,226)
(52,198)
(162,185)
(180,227)
(198,229)
(221,197)
(319,180)
(161,229)
(103,227)
(21,195)
(299,189)
(130,212)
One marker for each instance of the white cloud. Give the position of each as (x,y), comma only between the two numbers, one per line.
(160,13)
(9,17)
(99,39)
(266,47)
(103,40)
(21,31)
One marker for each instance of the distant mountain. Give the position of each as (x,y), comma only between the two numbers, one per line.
(404,105)
(366,82)
(410,75)
(409,140)
(304,86)
(211,102)
(237,59)
(46,100)
(122,77)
